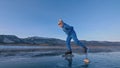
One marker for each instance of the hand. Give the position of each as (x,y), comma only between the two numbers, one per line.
(86,61)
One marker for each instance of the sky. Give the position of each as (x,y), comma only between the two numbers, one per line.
(92,19)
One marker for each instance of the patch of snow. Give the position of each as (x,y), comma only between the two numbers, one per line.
(6,40)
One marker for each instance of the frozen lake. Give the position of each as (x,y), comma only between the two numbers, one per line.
(98,60)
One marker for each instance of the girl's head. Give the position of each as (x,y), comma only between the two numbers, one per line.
(60,23)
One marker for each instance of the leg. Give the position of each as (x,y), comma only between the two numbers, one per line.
(68,43)
(77,41)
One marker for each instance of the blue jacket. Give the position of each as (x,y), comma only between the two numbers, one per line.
(67,29)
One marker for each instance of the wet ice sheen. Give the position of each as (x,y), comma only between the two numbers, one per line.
(98,60)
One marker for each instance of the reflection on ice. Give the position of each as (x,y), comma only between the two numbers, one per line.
(98,60)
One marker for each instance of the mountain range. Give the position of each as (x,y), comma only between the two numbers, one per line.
(12,39)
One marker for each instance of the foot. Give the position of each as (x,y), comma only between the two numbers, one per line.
(68,52)
(85,50)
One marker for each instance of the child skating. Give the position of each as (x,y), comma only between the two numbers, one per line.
(69,30)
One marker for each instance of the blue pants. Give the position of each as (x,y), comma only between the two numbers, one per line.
(74,37)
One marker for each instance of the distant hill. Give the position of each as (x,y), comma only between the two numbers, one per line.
(12,39)
(6,39)
(44,41)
